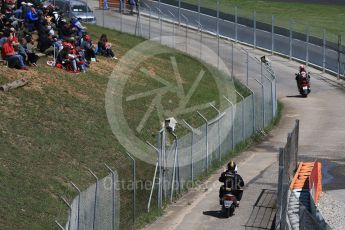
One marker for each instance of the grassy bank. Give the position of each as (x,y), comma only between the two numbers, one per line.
(56,128)
(317,16)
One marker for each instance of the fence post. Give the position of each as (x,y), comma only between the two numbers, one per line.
(173,28)
(290,39)
(191,151)
(174,168)
(247,71)
(232,121)
(243,121)
(232,60)
(272,49)
(78,216)
(179,12)
(70,210)
(254,27)
(199,2)
(187,23)
(236,22)
(200,42)
(60,226)
(253,103)
(134,185)
(153,185)
(280,189)
(206,121)
(159,168)
(339,53)
(219,143)
(263,102)
(103,17)
(95,199)
(307,46)
(324,51)
(113,191)
(217,34)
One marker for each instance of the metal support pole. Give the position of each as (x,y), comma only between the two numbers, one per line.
(173,28)
(174,169)
(307,46)
(324,51)
(236,24)
(254,28)
(206,121)
(233,122)
(160,23)
(232,60)
(60,226)
(179,12)
(150,15)
(95,199)
(200,28)
(253,103)
(103,17)
(70,210)
(263,103)
(121,21)
(219,139)
(247,68)
(78,216)
(134,186)
(199,3)
(217,34)
(191,151)
(159,161)
(272,48)
(243,121)
(113,191)
(153,185)
(271,85)
(339,53)
(187,23)
(290,39)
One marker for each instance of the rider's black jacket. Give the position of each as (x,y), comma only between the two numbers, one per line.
(237,181)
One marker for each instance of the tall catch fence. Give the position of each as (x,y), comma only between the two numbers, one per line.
(296,40)
(182,160)
(293,206)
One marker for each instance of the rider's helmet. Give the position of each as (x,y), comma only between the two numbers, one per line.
(232,166)
(301,68)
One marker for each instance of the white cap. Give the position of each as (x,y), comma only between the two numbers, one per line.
(30,4)
(23,3)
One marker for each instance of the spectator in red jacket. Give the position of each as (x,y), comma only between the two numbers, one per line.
(13,58)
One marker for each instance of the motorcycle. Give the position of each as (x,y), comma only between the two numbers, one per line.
(228,204)
(303,83)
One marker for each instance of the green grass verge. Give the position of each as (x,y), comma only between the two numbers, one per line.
(317,16)
(56,128)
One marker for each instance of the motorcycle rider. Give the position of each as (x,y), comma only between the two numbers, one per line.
(235,185)
(302,72)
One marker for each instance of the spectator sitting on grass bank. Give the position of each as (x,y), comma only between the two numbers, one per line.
(104,47)
(13,58)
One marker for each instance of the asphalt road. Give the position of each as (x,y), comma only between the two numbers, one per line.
(300,49)
(322,128)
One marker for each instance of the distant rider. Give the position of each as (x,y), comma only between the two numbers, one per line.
(302,73)
(234,185)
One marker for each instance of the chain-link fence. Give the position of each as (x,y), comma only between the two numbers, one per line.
(293,206)
(295,40)
(182,160)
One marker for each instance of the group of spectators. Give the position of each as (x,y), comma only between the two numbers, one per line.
(27,28)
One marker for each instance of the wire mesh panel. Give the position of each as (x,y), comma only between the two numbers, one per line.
(226,124)
(96,208)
